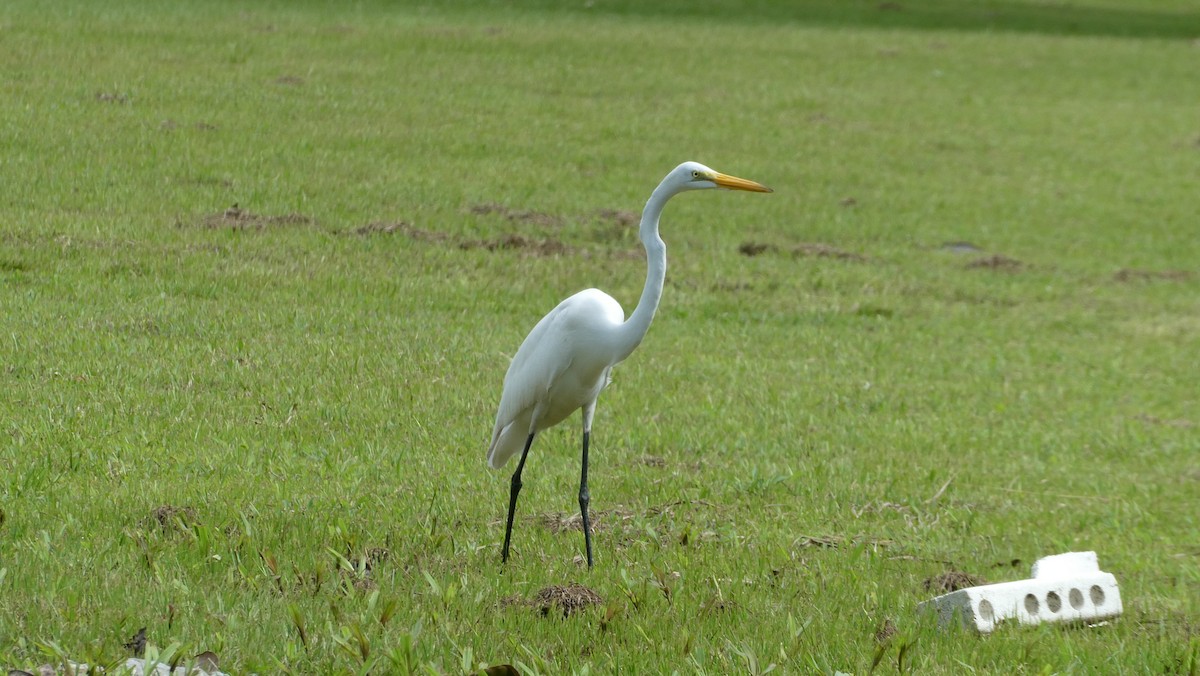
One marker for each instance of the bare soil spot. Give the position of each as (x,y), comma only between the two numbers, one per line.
(517,215)
(754,248)
(878,507)
(839,541)
(806,249)
(618,217)
(173,519)
(361,575)
(402,227)
(826,251)
(719,606)
(569,599)
(949,581)
(290,80)
(204,126)
(604,519)
(1128,275)
(652,461)
(848,202)
(670,506)
(885,631)
(1166,422)
(236,218)
(513,241)
(998,262)
(112,97)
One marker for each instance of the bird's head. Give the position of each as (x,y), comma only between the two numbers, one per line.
(696,176)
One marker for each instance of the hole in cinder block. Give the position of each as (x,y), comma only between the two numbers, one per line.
(1031,604)
(1076,598)
(1053,602)
(1097,595)
(986,613)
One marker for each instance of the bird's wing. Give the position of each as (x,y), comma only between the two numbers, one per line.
(546,354)
(542,357)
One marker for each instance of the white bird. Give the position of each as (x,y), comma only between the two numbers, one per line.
(566,359)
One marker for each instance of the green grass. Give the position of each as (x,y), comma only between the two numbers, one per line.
(210,430)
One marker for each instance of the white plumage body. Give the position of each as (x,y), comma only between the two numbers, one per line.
(561,367)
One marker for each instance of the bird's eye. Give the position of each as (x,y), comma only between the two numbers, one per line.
(695,174)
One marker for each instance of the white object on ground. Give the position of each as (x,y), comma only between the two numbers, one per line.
(1064,588)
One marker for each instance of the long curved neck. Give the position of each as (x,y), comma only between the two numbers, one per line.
(630,333)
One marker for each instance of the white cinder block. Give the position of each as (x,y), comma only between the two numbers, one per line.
(1064,588)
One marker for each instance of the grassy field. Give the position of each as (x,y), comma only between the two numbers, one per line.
(262,267)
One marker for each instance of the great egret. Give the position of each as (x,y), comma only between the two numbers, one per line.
(566,359)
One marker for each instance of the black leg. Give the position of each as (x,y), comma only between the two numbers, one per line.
(584,498)
(512,497)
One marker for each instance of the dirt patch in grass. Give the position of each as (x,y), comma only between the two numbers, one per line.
(517,215)
(236,218)
(998,262)
(839,541)
(112,97)
(173,519)
(755,248)
(652,461)
(290,80)
(1166,422)
(401,227)
(361,575)
(1129,275)
(885,631)
(952,580)
(805,250)
(513,241)
(567,599)
(529,246)
(718,606)
(605,519)
(615,227)
(618,217)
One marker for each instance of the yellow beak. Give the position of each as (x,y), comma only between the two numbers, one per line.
(735,183)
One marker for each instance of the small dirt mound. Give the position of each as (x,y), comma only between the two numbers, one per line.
(819,250)
(236,218)
(528,245)
(393,227)
(839,541)
(517,215)
(568,599)
(886,631)
(170,518)
(996,262)
(806,249)
(1128,275)
(951,581)
(754,248)
(558,522)
(618,216)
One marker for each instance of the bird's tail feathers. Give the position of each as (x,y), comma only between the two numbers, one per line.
(506,443)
